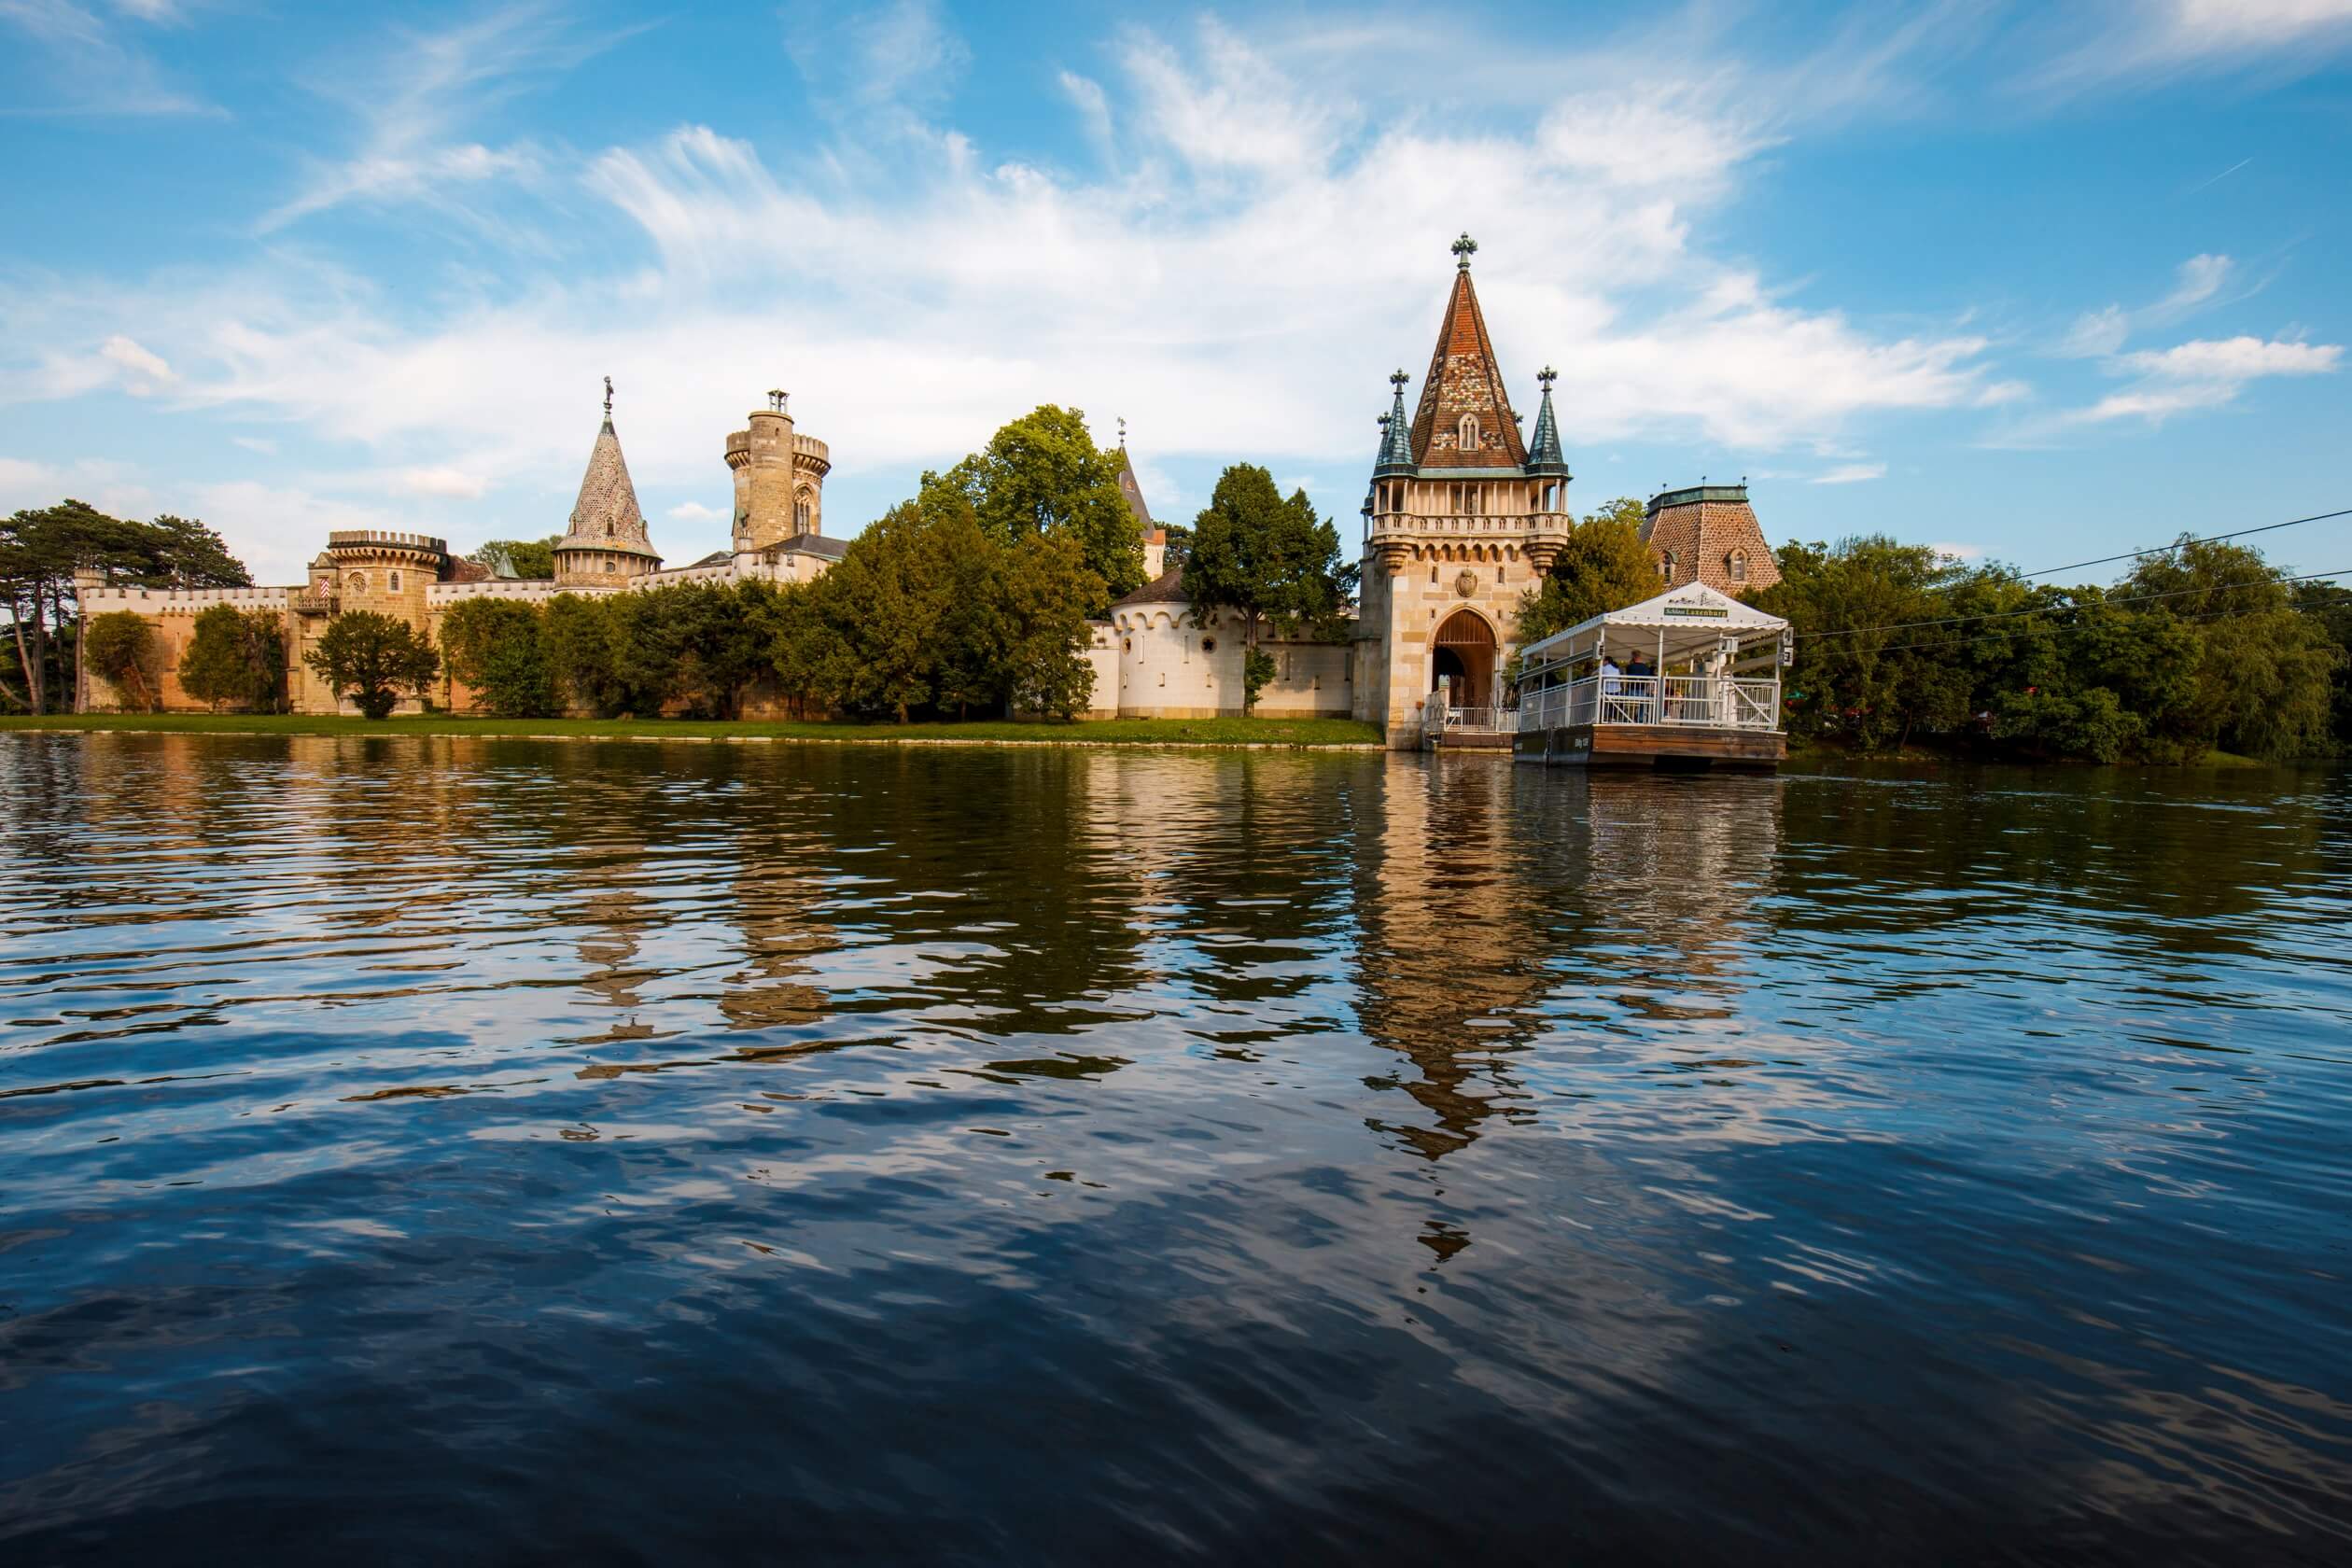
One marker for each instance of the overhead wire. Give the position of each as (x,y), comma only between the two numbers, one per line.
(2051,610)
(2048,609)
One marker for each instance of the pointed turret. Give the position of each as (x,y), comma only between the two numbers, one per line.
(1396,444)
(1464,420)
(606,540)
(1544,459)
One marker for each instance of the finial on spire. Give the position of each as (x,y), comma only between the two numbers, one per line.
(1464,248)
(1123,432)
(1382,421)
(608,396)
(1398,379)
(1547,376)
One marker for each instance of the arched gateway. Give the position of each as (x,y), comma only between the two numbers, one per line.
(1461,655)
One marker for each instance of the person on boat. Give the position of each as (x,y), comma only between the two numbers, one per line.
(1640,667)
(1609,673)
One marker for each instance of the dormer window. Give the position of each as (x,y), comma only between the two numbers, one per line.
(1737,565)
(1468,432)
(1666,566)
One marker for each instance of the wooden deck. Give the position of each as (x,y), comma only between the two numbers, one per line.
(1652,746)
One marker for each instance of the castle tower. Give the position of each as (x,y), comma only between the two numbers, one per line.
(1461,520)
(779,478)
(375,569)
(605,543)
(1708,533)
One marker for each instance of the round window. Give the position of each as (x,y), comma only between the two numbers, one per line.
(1208,645)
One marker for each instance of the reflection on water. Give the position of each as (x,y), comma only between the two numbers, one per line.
(1001,1154)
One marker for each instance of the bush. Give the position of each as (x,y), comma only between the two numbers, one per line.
(122,648)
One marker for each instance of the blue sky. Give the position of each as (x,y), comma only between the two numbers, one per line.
(2039,282)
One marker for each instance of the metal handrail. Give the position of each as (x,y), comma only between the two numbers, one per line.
(1687,701)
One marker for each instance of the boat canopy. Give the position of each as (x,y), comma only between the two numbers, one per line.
(1682,622)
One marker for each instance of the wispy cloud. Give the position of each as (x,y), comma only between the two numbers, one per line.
(2104,332)
(2202,374)
(2114,43)
(87,65)
(694,511)
(1852,473)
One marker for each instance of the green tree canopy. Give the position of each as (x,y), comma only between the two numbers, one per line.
(525,558)
(2264,686)
(371,659)
(1268,560)
(1044,474)
(41,551)
(122,647)
(499,647)
(236,655)
(1604,566)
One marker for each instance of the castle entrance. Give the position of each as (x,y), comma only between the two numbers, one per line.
(1462,655)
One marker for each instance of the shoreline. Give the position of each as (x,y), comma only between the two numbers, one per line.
(1233,735)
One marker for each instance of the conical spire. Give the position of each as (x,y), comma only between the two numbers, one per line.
(1464,420)
(1545,458)
(606,515)
(1397,445)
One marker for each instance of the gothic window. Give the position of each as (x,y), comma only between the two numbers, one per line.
(1738,564)
(1666,566)
(394,583)
(1469,432)
(1498,574)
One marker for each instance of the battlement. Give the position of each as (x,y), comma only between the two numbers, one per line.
(369,539)
(811,453)
(167,601)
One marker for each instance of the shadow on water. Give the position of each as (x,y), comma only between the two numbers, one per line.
(473,1150)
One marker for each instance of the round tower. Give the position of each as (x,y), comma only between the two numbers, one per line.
(605,543)
(762,457)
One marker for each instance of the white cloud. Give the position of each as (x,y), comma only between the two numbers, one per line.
(266,447)
(111,487)
(2202,374)
(1959,552)
(2164,38)
(144,373)
(1852,473)
(444,481)
(2104,332)
(1642,141)
(693,511)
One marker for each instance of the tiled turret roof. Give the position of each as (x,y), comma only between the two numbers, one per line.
(606,515)
(1396,435)
(1465,379)
(1545,458)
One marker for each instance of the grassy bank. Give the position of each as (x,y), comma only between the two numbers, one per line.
(1111,732)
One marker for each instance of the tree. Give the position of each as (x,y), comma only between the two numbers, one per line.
(1177,549)
(40,553)
(121,647)
(1044,474)
(525,558)
(1604,566)
(580,634)
(882,603)
(2328,604)
(499,647)
(1271,561)
(2264,686)
(236,655)
(371,659)
(1863,671)
(1045,585)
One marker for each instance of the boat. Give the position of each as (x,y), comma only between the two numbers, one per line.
(1709,696)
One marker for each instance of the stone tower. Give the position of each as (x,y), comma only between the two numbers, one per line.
(605,543)
(1461,520)
(373,569)
(779,478)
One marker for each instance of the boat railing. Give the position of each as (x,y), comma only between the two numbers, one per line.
(1688,701)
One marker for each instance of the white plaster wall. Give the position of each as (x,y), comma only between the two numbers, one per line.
(1168,670)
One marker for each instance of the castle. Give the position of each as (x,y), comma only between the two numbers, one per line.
(1461,517)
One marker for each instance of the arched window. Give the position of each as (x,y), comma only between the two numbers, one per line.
(1738,566)
(1666,566)
(1467,432)
(394,583)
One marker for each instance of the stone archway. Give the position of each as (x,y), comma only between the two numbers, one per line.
(1462,652)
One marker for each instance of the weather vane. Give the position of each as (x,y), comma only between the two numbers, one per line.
(1123,429)
(1464,248)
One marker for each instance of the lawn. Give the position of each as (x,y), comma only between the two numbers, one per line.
(1109,732)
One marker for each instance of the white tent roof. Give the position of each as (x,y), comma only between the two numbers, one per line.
(1689,616)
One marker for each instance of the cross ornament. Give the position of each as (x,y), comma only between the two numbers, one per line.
(1464,248)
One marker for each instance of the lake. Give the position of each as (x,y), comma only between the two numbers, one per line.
(481,1150)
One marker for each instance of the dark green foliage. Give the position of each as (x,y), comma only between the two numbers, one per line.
(525,558)
(499,647)
(41,550)
(1044,474)
(1604,566)
(237,656)
(1257,668)
(2328,604)
(1269,561)
(2202,648)
(122,647)
(371,659)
